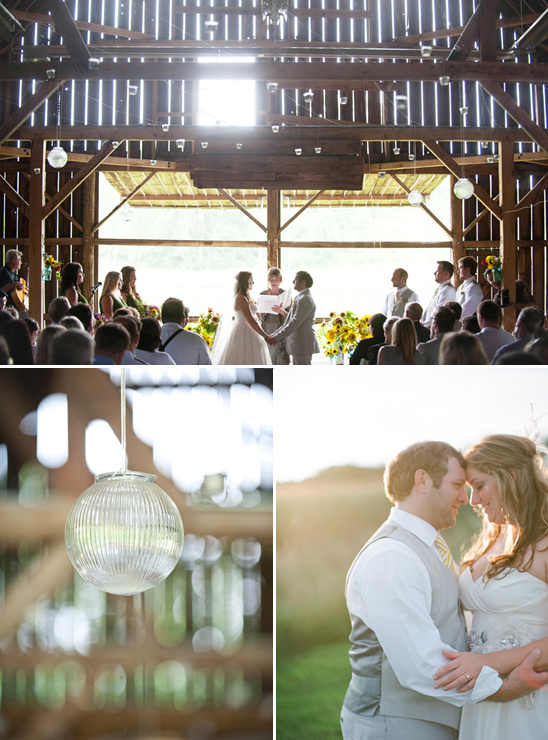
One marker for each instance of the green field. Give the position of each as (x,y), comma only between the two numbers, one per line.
(321,525)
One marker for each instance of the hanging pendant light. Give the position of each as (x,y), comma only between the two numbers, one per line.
(57,157)
(124,534)
(463,188)
(415,198)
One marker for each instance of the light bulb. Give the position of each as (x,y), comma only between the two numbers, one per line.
(275,129)
(271,87)
(415,198)
(57,157)
(124,534)
(463,188)
(165,126)
(444,80)
(298,152)
(426,51)
(318,149)
(204,144)
(308,96)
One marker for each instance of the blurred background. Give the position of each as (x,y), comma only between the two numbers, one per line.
(334,436)
(190,659)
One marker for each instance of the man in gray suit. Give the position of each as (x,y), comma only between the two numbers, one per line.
(403,601)
(298,327)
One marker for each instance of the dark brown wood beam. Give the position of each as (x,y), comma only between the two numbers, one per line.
(23,15)
(457,30)
(14,196)
(423,207)
(72,37)
(243,210)
(533,195)
(286,72)
(465,42)
(34,101)
(518,114)
(124,201)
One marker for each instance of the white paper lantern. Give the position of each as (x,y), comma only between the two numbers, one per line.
(463,188)
(415,198)
(124,534)
(57,157)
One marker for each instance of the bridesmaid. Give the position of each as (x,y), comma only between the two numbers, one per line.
(111,298)
(72,279)
(128,291)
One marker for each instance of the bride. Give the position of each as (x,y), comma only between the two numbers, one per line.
(243,342)
(503,582)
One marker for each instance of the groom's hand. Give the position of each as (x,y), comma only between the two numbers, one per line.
(522,680)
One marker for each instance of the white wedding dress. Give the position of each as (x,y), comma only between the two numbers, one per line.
(507,612)
(244,346)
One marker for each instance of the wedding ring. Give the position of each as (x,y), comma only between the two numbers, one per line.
(467,676)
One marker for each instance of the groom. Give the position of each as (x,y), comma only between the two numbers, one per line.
(298,327)
(402,596)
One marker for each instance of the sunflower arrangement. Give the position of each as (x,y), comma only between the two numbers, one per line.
(494,263)
(206,326)
(341,332)
(52,264)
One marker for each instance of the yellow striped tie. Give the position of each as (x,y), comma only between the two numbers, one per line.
(445,553)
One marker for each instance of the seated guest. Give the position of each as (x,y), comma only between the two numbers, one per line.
(373,352)
(111,298)
(461,348)
(359,356)
(525,331)
(3,300)
(72,347)
(58,308)
(45,340)
(72,279)
(491,335)
(541,331)
(17,338)
(149,341)
(402,350)
(539,348)
(185,347)
(133,327)
(5,358)
(518,358)
(457,310)
(83,312)
(470,323)
(469,293)
(111,341)
(442,323)
(71,322)
(34,330)
(413,311)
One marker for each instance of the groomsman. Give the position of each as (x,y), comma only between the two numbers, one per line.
(469,293)
(396,301)
(403,600)
(298,327)
(443,293)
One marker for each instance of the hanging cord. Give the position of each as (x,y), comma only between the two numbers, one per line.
(123,416)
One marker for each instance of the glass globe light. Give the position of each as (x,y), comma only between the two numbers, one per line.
(415,198)
(126,212)
(57,157)
(463,188)
(124,534)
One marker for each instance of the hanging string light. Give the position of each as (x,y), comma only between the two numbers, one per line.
(463,188)
(124,534)
(57,157)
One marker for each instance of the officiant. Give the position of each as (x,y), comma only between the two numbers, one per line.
(271,321)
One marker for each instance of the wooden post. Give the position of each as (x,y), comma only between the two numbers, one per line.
(36,230)
(507,189)
(456,229)
(88,222)
(273,201)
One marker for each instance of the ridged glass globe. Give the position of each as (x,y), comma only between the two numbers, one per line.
(463,188)
(124,534)
(57,157)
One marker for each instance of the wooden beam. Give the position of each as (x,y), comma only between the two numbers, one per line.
(535,132)
(508,245)
(124,201)
(308,203)
(488,39)
(465,42)
(34,101)
(36,230)
(242,209)
(478,217)
(533,195)
(423,207)
(72,38)
(23,15)
(257,11)
(439,152)
(14,196)
(78,179)
(444,33)
(273,218)
(285,72)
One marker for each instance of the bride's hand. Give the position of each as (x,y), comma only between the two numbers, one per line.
(461,672)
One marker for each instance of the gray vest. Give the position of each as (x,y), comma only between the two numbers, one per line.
(374,684)
(399,308)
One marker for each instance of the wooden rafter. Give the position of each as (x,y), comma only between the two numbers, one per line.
(444,33)
(422,206)
(14,196)
(25,16)
(301,210)
(71,35)
(124,201)
(34,101)
(242,209)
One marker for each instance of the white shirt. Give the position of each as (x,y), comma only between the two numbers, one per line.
(154,358)
(443,293)
(469,295)
(394,304)
(187,348)
(399,612)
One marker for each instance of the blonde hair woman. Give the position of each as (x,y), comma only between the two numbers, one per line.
(504,583)
(111,298)
(462,348)
(402,350)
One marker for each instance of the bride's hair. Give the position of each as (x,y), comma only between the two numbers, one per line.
(522,483)
(242,284)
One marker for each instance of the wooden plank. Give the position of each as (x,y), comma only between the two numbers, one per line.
(301,210)
(124,201)
(444,33)
(273,218)
(23,15)
(14,196)
(72,38)
(508,246)
(424,207)
(19,116)
(242,209)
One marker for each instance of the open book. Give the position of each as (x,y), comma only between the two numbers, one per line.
(265,302)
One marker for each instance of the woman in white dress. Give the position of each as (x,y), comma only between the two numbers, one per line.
(246,340)
(503,583)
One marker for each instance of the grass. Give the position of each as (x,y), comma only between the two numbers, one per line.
(310,689)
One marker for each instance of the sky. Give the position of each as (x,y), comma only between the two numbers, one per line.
(355,415)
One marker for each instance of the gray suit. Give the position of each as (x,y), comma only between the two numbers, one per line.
(298,329)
